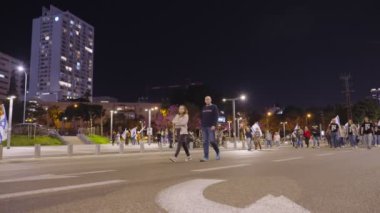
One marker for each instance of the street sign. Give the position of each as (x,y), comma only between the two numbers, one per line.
(149,131)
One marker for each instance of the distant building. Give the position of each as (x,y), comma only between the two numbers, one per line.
(8,67)
(375,94)
(62,54)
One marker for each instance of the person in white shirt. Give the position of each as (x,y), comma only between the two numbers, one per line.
(180,123)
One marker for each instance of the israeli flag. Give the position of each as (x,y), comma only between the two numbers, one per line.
(133,132)
(3,124)
(124,134)
(256,128)
(337,120)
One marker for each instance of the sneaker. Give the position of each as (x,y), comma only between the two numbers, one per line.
(204,160)
(173,159)
(188,158)
(217,157)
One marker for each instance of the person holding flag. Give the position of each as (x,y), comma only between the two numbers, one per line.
(256,134)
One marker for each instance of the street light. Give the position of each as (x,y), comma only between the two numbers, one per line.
(9,132)
(21,68)
(149,130)
(307,117)
(111,123)
(268,115)
(283,127)
(233,100)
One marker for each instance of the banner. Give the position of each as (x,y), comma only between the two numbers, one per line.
(3,124)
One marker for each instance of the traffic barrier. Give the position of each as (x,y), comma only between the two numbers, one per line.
(121,148)
(142,148)
(37,150)
(97,149)
(70,149)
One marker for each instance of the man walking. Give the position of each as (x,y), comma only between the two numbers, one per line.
(367,132)
(209,119)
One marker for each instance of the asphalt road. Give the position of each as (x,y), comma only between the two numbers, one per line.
(278,180)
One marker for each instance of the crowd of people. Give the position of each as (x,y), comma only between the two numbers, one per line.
(336,135)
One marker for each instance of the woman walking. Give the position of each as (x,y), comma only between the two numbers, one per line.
(180,123)
(307,136)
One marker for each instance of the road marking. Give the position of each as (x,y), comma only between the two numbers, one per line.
(59,189)
(53,176)
(37,177)
(184,197)
(220,168)
(91,172)
(325,154)
(288,159)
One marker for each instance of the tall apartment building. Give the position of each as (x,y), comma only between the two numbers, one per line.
(8,67)
(62,56)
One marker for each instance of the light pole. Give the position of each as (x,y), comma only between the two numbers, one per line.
(22,69)
(229,129)
(307,117)
(9,132)
(233,100)
(238,127)
(111,123)
(149,130)
(283,127)
(268,115)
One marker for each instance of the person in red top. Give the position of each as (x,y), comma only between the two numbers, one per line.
(307,135)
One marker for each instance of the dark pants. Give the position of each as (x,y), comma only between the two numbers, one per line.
(182,141)
(209,138)
(307,140)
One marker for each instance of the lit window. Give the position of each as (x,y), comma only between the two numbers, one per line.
(88,49)
(64,84)
(78,66)
(56,18)
(47,38)
(77,32)
(89,79)
(71,22)
(69,68)
(2,76)
(63,58)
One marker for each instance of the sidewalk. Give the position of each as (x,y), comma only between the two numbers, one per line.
(88,149)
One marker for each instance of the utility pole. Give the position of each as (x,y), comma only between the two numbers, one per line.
(346,78)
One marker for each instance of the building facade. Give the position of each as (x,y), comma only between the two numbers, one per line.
(62,57)
(8,68)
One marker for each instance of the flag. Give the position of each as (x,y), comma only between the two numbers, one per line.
(3,124)
(256,128)
(296,128)
(142,129)
(124,134)
(337,120)
(133,132)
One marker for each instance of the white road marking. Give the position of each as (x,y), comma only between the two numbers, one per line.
(59,189)
(184,197)
(91,172)
(37,177)
(52,176)
(288,159)
(220,168)
(325,154)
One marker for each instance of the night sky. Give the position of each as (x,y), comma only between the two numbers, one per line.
(284,52)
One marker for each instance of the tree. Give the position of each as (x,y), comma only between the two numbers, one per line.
(55,115)
(368,107)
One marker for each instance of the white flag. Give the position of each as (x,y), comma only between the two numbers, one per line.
(124,134)
(133,132)
(296,128)
(337,120)
(256,128)
(3,124)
